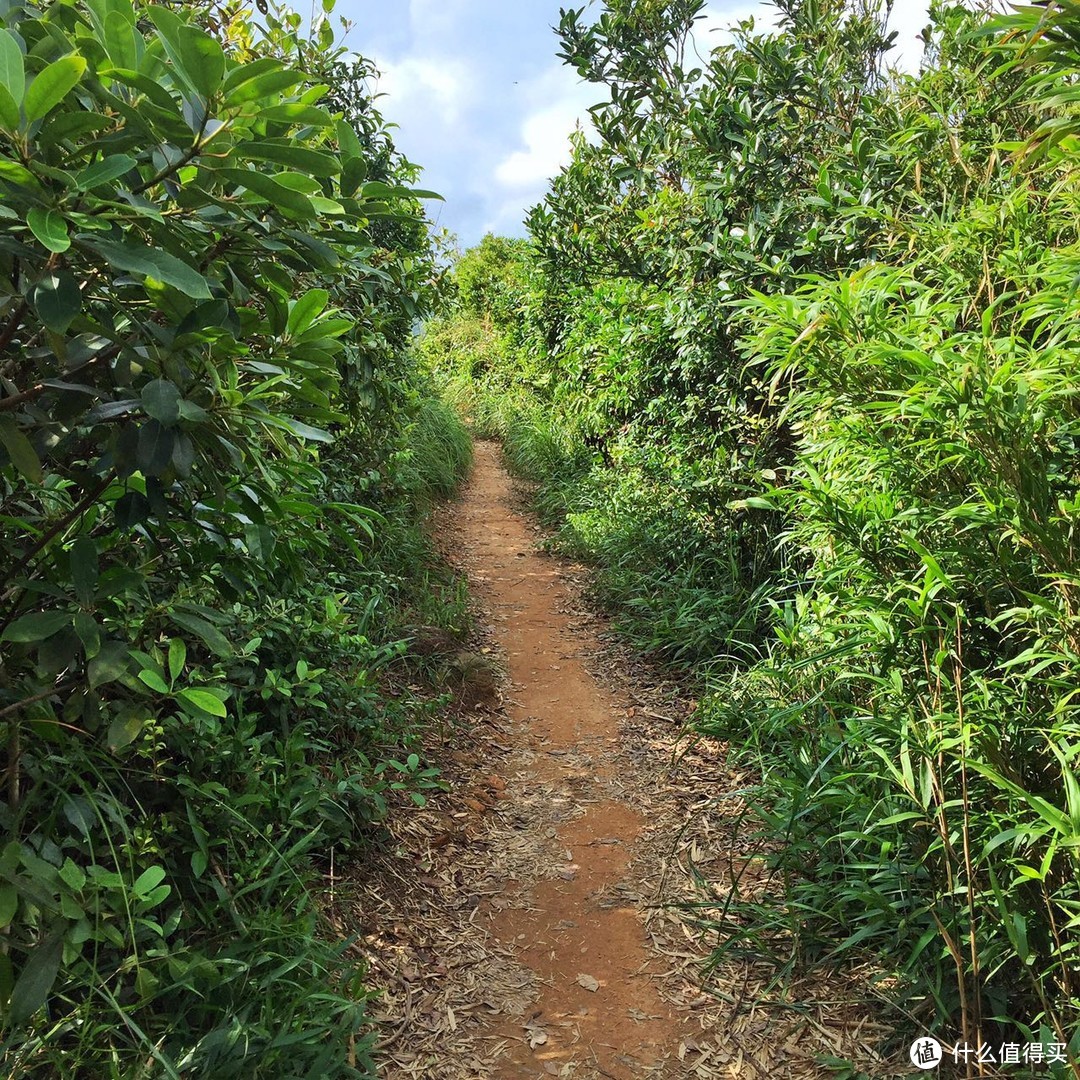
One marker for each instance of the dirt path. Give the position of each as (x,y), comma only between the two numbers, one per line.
(540,918)
(597,1005)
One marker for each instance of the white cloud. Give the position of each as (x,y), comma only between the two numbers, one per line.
(552,104)
(546,135)
(434,19)
(424,88)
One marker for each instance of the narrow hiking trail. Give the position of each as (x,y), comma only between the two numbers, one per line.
(526,922)
(597,1004)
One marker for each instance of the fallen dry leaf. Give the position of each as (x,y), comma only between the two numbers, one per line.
(588,982)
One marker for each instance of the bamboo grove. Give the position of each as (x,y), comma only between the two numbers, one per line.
(792,349)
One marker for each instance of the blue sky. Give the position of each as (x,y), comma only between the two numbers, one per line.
(486,107)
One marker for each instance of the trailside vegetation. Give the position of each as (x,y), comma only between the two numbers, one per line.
(792,351)
(215,451)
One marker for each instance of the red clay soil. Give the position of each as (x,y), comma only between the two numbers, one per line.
(596,1007)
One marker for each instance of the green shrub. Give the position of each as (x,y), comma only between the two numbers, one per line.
(214,442)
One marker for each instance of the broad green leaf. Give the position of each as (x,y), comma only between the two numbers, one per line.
(50,228)
(203,60)
(123,731)
(348,143)
(154,449)
(177,657)
(185,59)
(72,875)
(83,559)
(159,265)
(18,174)
(301,182)
(352,176)
(12,69)
(294,113)
(121,41)
(89,633)
(104,171)
(36,980)
(50,87)
(153,680)
(306,310)
(268,84)
(37,626)
(245,72)
(302,158)
(9,111)
(148,881)
(205,631)
(183,455)
(161,400)
(204,701)
(304,431)
(57,299)
(22,454)
(111,662)
(268,188)
(9,903)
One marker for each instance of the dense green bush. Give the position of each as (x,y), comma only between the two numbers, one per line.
(796,368)
(215,448)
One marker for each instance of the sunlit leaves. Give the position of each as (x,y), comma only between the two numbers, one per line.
(51,85)
(150,262)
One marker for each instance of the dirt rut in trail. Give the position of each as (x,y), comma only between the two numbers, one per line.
(598,1009)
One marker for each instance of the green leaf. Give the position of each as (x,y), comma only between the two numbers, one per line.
(9,904)
(50,228)
(52,84)
(306,310)
(72,875)
(36,980)
(161,400)
(57,299)
(148,881)
(203,60)
(9,111)
(268,84)
(12,69)
(312,162)
(89,633)
(153,452)
(22,454)
(123,731)
(295,113)
(109,665)
(119,40)
(136,259)
(204,701)
(268,188)
(197,59)
(303,431)
(83,559)
(348,143)
(104,171)
(37,626)
(206,632)
(153,680)
(177,657)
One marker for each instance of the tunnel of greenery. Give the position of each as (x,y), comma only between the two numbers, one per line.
(791,351)
(217,451)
